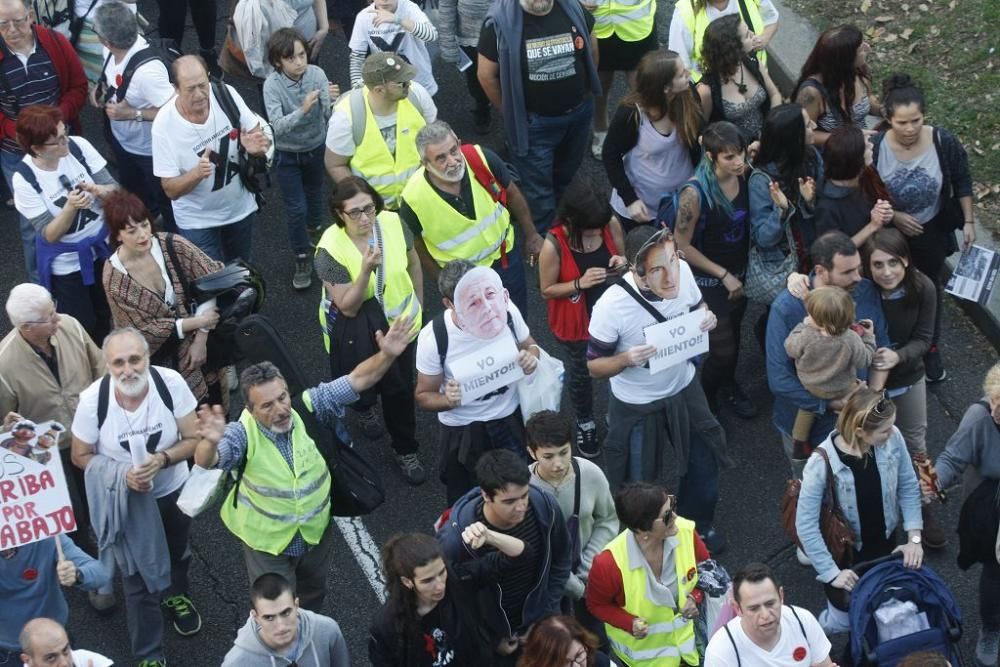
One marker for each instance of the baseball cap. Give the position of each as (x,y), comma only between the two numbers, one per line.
(385,67)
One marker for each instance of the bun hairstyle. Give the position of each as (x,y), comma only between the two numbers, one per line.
(900,90)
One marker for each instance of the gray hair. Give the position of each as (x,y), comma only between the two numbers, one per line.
(124,331)
(116,24)
(433,133)
(257,374)
(26,303)
(450,274)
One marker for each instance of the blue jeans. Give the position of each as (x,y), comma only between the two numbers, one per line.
(224,243)
(8,161)
(513,279)
(301,177)
(556,148)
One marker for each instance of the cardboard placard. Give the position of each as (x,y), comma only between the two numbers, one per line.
(487,369)
(677,340)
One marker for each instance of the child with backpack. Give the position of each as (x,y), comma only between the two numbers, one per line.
(297,101)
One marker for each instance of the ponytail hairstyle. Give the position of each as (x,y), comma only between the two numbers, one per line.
(833,59)
(719,137)
(401,556)
(900,90)
(581,208)
(867,410)
(654,77)
(783,142)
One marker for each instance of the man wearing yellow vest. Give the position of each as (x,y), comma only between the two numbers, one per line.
(373,129)
(453,215)
(280,510)
(691,18)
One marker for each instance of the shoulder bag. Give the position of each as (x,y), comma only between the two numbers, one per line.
(836,532)
(766,276)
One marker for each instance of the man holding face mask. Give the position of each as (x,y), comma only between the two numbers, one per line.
(647,409)
(481,329)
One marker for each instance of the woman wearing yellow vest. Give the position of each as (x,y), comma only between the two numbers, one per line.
(692,17)
(367,263)
(644,584)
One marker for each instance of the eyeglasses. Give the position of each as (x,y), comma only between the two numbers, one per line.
(356,213)
(16,23)
(402,84)
(61,140)
(580,659)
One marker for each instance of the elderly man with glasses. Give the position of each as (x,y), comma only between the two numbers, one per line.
(37,66)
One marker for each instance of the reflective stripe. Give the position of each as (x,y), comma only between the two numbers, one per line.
(653,653)
(409,304)
(393,178)
(472,232)
(286,518)
(634,15)
(678,623)
(291,494)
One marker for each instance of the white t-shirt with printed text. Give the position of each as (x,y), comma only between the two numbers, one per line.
(70,172)
(149,88)
(461,344)
(178,143)
(792,650)
(366,36)
(617,318)
(151,420)
(340,131)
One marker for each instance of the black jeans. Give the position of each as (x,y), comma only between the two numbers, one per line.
(398,404)
(81,509)
(989,595)
(203,15)
(719,370)
(472,80)
(87,303)
(929,251)
(581,387)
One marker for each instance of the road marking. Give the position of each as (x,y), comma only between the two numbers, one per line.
(365,551)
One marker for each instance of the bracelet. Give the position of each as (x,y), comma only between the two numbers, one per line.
(723,277)
(970,222)
(166,458)
(576,284)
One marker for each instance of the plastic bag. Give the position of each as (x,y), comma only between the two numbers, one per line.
(542,390)
(895,619)
(201,490)
(256,21)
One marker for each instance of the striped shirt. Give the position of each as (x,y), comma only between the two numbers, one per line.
(25,81)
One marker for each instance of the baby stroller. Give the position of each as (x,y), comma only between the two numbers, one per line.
(890,581)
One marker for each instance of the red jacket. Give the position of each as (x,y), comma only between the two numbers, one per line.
(606,592)
(568,316)
(72,80)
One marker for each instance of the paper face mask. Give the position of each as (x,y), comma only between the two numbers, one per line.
(481,303)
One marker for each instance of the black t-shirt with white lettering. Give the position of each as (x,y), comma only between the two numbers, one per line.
(552,60)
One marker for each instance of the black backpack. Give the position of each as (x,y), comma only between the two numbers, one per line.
(28,175)
(252,167)
(164,50)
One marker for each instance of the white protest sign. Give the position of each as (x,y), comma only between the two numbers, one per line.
(487,369)
(34,500)
(677,340)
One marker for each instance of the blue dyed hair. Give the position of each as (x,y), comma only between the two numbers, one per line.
(719,137)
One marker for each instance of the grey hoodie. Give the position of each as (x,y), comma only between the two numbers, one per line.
(320,644)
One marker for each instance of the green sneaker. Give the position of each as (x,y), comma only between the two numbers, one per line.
(153,663)
(186,619)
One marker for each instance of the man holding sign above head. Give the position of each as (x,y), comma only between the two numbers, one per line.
(645,332)
(468,359)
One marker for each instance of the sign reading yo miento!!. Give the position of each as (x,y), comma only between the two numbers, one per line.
(677,340)
(34,500)
(487,369)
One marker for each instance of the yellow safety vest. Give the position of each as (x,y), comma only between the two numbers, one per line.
(698,23)
(399,299)
(630,20)
(671,636)
(273,502)
(450,235)
(372,160)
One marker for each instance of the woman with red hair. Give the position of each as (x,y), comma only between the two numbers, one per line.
(560,641)
(146,280)
(59,188)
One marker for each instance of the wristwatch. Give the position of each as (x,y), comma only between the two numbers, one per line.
(915,539)
(138,116)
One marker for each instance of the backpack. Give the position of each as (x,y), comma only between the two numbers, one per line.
(666,212)
(484,175)
(104,395)
(28,175)
(164,50)
(441,335)
(53,13)
(251,166)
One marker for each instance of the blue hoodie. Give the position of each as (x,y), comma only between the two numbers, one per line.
(555,559)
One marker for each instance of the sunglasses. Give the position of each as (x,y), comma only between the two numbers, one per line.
(880,408)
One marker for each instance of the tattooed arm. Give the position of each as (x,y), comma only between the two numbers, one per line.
(811,100)
(688,218)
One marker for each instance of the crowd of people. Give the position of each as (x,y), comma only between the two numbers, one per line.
(723,193)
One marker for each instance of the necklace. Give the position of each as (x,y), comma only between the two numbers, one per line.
(741,87)
(591,243)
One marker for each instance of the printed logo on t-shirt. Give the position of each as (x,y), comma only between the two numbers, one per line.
(84,216)
(551,58)
(151,434)
(225,169)
(436,646)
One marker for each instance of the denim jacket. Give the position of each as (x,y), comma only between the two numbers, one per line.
(767,227)
(900,495)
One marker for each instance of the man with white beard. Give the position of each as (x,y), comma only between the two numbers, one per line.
(459,206)
(143,417)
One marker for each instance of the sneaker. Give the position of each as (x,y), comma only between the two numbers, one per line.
(933,366)
(597,144)
(742,405)
(412,469)
(303,272)
(801,556)
(933,535)
(481,120)
(186,619)
(587,445)
(986,647)
(102,603)
(371,425)
(714,541)
(153,663)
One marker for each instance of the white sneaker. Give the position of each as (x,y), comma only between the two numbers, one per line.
(833,621)
(987,647)
(597,145)
(801,556)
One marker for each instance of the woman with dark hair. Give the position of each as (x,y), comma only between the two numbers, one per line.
(735,87)
(712,230)
(431,614)
(909,302)
(581,257)
(853,199)
(370,270)
(59,188)
(835,86)
(652,144)
(659,620)
(926,171)
(146,280)
(876,490)
(560,641)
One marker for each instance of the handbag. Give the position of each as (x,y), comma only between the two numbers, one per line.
(542,390)
(836,532)
(765,277)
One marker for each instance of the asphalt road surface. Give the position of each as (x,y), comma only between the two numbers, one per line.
(749,508)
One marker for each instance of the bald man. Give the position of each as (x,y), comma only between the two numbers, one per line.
(196,156)
(44,643)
